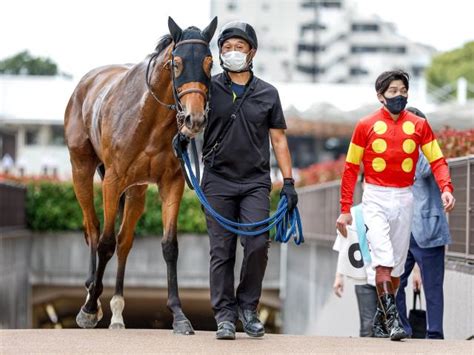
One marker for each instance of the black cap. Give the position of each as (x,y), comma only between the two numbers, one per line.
(238,29)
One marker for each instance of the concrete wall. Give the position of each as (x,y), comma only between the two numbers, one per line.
(63,260)
(310,307)
(15,290)
(458,300)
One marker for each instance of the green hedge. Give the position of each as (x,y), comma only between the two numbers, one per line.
(52,206)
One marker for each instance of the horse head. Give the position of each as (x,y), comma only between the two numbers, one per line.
(191,62)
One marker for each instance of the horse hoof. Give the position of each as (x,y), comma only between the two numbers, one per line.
(117,326)
(183,327)
(88,320)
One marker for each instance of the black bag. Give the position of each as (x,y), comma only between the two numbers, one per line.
(417,318)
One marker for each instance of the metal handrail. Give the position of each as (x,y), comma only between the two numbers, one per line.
(461,219)
(319,207)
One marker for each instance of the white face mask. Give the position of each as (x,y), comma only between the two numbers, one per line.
(234,61)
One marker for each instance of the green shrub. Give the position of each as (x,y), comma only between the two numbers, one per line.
(52,206)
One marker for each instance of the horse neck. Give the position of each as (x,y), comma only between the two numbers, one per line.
(160,83)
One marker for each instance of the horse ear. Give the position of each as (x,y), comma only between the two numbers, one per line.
(175,30)
(209,31)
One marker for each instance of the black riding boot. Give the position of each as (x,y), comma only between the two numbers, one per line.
(392,320)
(378,329)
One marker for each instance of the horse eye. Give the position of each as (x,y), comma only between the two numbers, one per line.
(207,66)
(178,68)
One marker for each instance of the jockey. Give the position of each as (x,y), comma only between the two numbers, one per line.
(387,143)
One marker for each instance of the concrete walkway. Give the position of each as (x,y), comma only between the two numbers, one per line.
(96,341)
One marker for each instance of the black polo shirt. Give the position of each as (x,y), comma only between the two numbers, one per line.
(244,153)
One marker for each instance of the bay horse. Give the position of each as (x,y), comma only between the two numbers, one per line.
(120,120)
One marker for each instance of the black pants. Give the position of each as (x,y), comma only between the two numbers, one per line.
(367,302)
(245,203)
(431,263)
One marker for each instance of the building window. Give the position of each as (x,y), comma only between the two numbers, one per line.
(231,5)
(313,48)
(397,49)
(32,137)
(356,71)
(312,27)
(379,49)
(331,4)
(417,71)
(335,4)
(310,69)
(57,135)
(363,49)
(340,59)
(365,27)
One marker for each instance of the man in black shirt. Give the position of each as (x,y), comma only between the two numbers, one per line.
(245,114)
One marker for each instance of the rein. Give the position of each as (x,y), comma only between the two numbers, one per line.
(287,223)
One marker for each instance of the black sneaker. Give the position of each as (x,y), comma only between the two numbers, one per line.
(225,330)
(252,325)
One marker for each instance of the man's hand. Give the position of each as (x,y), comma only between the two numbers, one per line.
(448,201)
(289,191)
(180,144)
(342,222)
(187,132)
(338,286)
(417,283)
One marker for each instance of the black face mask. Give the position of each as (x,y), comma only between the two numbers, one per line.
(396,104)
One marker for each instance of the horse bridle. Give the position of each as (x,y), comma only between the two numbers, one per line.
(178,106)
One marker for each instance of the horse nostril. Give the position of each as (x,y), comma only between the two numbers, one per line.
(187,121)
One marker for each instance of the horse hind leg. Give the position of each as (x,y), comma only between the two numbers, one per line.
(90,313)
(134,207)
(84,162)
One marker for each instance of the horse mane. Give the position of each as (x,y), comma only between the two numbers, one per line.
(164,42)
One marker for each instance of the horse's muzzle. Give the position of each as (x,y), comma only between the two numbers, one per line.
(194,123)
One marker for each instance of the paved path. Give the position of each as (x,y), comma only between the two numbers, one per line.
(72,341)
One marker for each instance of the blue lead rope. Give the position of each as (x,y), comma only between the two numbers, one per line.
(286,224)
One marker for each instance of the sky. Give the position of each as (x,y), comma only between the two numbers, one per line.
(442,24)
(81,35)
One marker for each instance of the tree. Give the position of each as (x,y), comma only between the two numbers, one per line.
(24,63)
(448,67)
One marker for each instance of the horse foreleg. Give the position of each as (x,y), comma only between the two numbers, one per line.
(91,313)
(171,195)
(134,207)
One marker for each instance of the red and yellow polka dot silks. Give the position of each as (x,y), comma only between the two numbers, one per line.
(389,151)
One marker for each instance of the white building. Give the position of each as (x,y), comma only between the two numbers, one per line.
(32,115)
(323,41)
(31,123)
